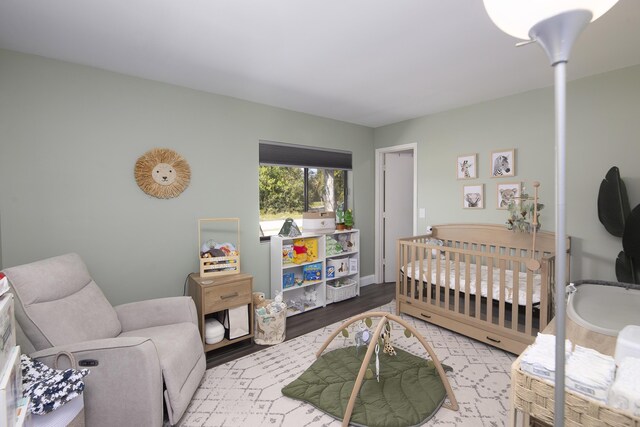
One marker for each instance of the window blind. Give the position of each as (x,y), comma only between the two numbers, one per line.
(279,154)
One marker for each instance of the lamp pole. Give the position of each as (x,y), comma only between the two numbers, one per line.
(556,36)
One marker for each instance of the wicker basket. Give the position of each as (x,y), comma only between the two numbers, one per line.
(348,290)
(534,396)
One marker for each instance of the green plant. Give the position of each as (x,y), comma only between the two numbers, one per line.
(348,218)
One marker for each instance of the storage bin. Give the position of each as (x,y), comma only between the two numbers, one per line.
(338,293)
(211,266)
(340,264)
(270,327)
(213,331)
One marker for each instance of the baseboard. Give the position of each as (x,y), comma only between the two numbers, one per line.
(367,280)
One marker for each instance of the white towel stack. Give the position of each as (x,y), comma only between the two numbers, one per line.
(590,372)
(540,358)
(625,391)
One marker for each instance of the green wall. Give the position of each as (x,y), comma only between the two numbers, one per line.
(70,136)
(603,130)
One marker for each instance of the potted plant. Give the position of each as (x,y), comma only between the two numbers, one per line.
(340,225)
(348,219)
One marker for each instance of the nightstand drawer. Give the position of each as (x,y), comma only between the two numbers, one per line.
(220,297)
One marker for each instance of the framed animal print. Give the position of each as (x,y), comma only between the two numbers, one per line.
(466,166)
(503,163)
(473,196)
(507,193)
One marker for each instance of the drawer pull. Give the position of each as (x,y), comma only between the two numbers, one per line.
(233,295)
(428,316)
(493,339)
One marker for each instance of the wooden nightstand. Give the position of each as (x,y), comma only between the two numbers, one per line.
(216,294)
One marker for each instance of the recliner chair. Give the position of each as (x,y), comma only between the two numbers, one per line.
(138,353)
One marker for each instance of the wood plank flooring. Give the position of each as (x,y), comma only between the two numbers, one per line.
(371,296)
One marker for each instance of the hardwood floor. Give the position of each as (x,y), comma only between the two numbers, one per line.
(371,296)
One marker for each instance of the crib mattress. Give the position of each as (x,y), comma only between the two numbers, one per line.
(484,273)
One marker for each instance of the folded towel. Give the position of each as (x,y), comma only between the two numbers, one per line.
(590,373)
(539,358)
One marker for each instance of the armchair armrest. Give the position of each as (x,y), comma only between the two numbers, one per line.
(156,312)
(124,387)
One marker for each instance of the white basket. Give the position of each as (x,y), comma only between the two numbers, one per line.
(348,290)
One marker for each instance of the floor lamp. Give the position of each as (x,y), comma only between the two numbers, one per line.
(555,26)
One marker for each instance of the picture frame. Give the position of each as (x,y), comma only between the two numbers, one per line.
(473,196)
(467,166)
(507,191)
(503,163)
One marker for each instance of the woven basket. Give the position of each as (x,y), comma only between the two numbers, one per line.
(534,396)
(349,290)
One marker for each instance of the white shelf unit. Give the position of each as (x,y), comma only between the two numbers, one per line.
(345,284)
(300,297)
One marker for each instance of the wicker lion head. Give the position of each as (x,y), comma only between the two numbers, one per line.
(162,173)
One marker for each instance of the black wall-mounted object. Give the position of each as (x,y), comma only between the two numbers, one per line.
(618,219)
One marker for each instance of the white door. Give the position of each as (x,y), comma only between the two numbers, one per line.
(397,206)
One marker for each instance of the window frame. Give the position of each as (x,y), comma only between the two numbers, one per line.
(305,157)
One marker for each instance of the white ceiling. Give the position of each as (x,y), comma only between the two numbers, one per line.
(370,62)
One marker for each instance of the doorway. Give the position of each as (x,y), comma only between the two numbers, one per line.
(395,205)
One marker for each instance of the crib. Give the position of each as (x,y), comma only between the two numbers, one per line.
(477,283)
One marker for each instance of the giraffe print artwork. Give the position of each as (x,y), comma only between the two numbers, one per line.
(466,167)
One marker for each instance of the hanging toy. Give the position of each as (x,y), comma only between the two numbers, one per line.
(363,336)
(386,338)
(377,363)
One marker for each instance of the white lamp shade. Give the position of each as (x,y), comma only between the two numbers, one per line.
(516,17)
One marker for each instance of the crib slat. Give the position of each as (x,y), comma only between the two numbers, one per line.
(490,261)
(420,281)
(447,279)
(456,292)
(501,303)
(467,286)
(429,278)
(479,289)
(528,322)
(438,284)
(414,279)
(515,293)
(544,296)
(408,273)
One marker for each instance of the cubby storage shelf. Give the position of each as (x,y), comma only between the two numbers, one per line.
(314,294)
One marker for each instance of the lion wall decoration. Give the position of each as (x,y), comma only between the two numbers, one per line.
(162,173)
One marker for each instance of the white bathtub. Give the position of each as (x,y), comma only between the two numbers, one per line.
(604,309)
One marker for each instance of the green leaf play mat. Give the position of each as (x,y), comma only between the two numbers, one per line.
(408,393)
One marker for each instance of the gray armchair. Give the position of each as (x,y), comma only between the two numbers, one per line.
(138,353)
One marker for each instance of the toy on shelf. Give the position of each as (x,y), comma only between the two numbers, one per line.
(312,272)
(312,249)
(288,280)
(348,219)
(287,254)
(333,246)
(299,251)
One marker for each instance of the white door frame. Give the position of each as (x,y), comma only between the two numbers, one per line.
(379,189)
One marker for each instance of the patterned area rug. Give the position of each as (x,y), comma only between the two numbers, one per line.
(246,392)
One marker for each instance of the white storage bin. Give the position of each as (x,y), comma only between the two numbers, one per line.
(213,331)
(340,265)
(628,343)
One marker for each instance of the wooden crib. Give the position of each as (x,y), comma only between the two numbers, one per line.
(502,304)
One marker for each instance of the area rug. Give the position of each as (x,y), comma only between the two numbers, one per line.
(247,391)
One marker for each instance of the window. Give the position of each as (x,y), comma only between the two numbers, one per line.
(295,179)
